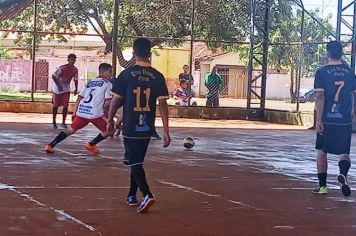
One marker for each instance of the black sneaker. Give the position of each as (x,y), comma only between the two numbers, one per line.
(156,136)
(345,189)
(132,201)
(55,126)
(146,203)
(64,126)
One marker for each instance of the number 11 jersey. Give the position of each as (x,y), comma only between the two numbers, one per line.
(140,86)
(338,82)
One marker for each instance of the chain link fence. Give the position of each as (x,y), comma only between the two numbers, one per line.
(200,34)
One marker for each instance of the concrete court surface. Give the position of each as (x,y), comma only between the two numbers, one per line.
(241,178)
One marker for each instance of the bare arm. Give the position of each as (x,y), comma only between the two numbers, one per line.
(163,109)
(76,87)
(115,104)
(107,104)
(319,107)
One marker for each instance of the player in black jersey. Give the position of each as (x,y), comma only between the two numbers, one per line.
(137,89)
(335,84)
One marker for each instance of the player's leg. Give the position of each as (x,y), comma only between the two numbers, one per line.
(78,123)
(342,147)
(131,196)
(322,168)
(54,109)
(59,138)
(322,162)
(148,198)
(101,124)
(344,167)
(54,116)
(65,97)
(135,152)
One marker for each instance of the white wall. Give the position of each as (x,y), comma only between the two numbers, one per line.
(278,86)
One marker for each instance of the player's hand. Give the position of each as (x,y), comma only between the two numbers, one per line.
(110,127)
(75,92)
(166,139)
(319,127)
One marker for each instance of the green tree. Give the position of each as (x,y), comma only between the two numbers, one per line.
(286,28)
(5,53)
(163,20)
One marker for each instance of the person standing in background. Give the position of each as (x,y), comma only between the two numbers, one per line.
(61,89)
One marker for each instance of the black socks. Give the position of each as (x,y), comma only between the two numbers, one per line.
(60,137)
(96,140)
(344,166)
(322,179)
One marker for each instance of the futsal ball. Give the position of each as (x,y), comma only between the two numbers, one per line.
(188,142)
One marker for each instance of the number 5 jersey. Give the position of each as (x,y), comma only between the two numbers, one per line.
(94,95)
(140,86)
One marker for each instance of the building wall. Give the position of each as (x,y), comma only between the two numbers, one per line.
(170,61)
(278,86)
(15,75)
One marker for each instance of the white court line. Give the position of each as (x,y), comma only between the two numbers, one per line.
(60,150)
(188,188)
(245,205)
(61,212)
(78,187)
(179,186)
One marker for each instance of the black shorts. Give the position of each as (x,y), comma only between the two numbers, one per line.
(135,151)
(335,139)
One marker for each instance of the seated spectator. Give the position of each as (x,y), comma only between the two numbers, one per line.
(182,96)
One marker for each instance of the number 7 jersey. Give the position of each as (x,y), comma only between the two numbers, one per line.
(140,86)
(93,95)
(338,82)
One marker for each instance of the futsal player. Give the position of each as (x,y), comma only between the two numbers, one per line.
(335,85)
(91,102)
(137,89)
(61,89)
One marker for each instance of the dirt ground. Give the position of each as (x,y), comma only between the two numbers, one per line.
(241,178)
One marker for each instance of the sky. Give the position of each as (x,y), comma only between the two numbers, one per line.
(325,6)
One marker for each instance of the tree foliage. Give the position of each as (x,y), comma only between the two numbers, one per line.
(163,20)
(285,34)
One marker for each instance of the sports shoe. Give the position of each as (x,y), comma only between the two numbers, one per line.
(64,126)
(49,149)
(320,190)
(55,126)
(92,148)
(132,201)
(146,203)
(345,189)
(156,136)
